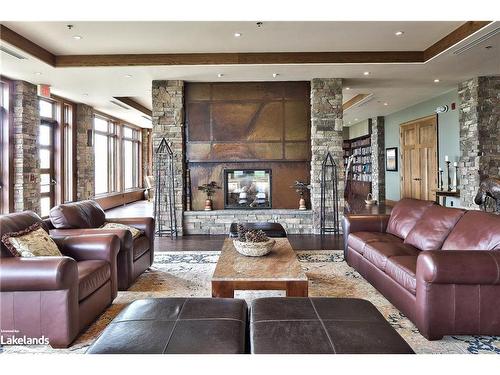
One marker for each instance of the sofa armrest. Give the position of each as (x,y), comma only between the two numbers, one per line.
(93,247)
(124,235)
(146,224)
(470,267)
(37,273)
(363,223)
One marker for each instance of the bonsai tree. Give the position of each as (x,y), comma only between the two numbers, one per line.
(301,188)
(209,189)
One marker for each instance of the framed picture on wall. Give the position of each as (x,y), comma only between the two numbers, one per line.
(391,159)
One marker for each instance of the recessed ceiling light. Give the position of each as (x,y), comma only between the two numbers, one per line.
(220,75)
(38,73)
(237,35)
(436,80)
(77,37)
(386,104)
(366,73)
(355,119)
(347,88)
(399,33)
(275,75)
(128,76)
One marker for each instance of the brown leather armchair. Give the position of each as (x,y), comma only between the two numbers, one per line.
(56,297)
(85,217)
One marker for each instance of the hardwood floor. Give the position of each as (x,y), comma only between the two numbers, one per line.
(214,242)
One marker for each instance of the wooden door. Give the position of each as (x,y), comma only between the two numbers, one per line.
(418,140)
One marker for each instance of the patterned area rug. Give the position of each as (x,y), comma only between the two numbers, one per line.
(187,274)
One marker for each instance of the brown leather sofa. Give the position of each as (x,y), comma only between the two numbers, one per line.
(437,265)
(55,297)
(85,217)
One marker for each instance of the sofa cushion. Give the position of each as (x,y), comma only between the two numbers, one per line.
(83,214)
(378,253)
(92,274)
(403,269)
(141,246)
(358,240)
(134,231)
(405,215)
(31,242)
(476,230)
(433,227)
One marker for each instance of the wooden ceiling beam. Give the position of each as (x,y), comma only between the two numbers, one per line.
(132,103)
(354,100)
(259,58)
(14,39)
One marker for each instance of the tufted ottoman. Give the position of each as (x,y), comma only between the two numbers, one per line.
(321,326)
(177,326)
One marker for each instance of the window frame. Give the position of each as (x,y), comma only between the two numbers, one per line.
(112,146)
(7,143)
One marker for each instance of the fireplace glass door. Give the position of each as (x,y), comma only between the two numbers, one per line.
(247,188)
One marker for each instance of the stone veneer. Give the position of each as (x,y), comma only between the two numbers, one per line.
(85,159)
(479,119)
(218,222)
(147,168)
(26,120)
(168,123)
(378,158)
(326,136)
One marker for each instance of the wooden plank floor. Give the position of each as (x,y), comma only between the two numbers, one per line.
(214,242)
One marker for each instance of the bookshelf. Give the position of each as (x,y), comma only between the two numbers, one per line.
(360,177)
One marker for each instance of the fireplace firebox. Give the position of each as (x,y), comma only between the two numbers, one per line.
(247,189)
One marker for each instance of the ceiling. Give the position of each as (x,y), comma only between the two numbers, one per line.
(397,84)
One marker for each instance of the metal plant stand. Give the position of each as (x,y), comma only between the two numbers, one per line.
(329,213)
(164,204)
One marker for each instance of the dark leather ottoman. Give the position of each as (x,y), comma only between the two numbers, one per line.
(177,326)
(270,229)
(321,326)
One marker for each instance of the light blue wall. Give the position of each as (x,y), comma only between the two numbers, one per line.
(448,133)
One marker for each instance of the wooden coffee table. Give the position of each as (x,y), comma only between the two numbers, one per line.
(279,270)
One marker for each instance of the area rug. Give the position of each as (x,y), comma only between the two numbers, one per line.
(187,274)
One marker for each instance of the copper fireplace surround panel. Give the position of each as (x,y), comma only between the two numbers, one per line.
(248,125)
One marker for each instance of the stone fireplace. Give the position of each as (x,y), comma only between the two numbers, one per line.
(285,128)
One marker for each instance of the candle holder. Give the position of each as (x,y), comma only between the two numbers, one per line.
(440,179)
(448,175)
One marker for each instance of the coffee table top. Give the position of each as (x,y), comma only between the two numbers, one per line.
(280,264)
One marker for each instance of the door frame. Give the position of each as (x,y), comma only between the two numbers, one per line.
(412,122)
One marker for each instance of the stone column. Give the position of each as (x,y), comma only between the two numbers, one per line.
(85,159)
(326,136)
(147,168)
(378,158)
(479,118)
(168,123)
(26,128)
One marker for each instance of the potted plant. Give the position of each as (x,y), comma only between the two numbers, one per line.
(301,188)
(209,189)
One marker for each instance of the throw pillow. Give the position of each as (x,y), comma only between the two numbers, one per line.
(34,241)
(135,232)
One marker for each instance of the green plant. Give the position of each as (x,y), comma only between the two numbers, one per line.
(209,189)
(301,187)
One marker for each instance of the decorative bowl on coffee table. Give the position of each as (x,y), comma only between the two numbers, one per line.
(254,249)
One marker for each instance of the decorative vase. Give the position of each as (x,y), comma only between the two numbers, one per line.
(208,205)
(302,204)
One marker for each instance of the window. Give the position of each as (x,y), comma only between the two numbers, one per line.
(5,190)
(48,126)
(131,146)
(105,156)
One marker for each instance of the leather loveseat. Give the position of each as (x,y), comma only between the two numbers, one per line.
(85,217)
(439,266)
(53,296)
